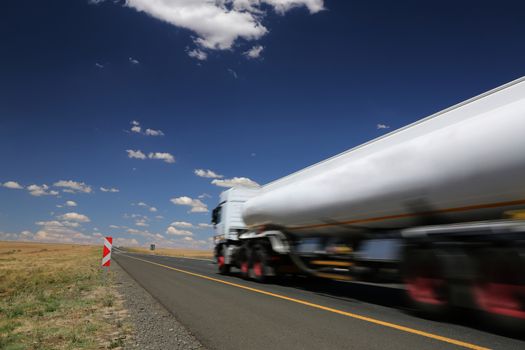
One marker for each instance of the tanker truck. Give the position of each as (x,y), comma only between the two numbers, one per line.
(437,205)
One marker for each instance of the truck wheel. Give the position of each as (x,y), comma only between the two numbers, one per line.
(244,263)
(224,268)
(426,286)
(499,289)
(259,264)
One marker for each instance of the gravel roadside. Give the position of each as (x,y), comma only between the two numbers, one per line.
(154,326)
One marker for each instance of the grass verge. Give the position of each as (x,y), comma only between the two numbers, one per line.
(55,296)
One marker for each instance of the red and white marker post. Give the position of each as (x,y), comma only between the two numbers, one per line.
(106,254)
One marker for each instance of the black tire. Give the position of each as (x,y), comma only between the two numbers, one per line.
(499,287)
(424,275)
(259,264)
(224,269)
(244,262)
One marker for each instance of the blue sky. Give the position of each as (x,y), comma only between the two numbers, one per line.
(251,90)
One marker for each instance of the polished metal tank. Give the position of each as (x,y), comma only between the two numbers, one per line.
(464,163)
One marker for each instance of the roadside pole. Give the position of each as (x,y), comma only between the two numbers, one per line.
(106,255)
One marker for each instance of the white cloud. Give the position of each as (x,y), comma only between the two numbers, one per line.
(383,126)
(12,185)
(141,222)
(112,189)
(166,157)
(72,224)
(126,242)
(203,225)
(135,154)
(151,132)
(217,27)
(58,223)
(25,234)
(174,231)
(50,223)
(136,128)
(150,208)
(71,203)
(198,54)
(188,239)
(207,174)
(282,6)
(196,205)
(181,224)
(254,52)
(98,65)
(114,226)
(76,217)
(133,60)
(236,182)
(62,232)
(150,237)
(218,24)
(42,190)
(62,235)
(22,236)
(73,186)
(204,195)
(146,233)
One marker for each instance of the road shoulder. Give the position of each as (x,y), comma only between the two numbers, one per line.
(154,326)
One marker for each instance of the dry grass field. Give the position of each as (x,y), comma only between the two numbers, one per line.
(183,253)
(54,296)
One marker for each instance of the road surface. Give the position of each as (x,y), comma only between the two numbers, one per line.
(227,312)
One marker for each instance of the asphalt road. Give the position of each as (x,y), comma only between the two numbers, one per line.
(227,312)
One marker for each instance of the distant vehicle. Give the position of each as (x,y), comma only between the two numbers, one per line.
(434,204)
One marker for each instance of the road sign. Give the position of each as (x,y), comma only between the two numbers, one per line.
(106,254)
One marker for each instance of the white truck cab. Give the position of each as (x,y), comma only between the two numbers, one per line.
(227,216)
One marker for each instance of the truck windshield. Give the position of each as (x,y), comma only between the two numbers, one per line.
(216,215)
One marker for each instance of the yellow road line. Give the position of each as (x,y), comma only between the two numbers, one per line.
(325,308)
